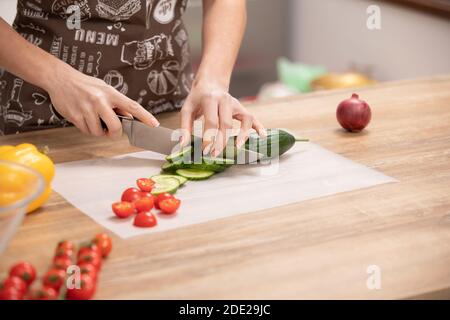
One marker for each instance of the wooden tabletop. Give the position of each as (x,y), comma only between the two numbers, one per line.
(318,248)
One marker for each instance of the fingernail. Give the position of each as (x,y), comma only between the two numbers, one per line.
(263,133)
(207,150)
(156,123)
(215,153)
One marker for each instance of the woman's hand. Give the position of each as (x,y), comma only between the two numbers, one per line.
(84,100)
(219,108)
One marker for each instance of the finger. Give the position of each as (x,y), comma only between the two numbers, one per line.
(93,123)
(259,128)
(244,132)
(210,113)
(122,113)
(81,125)
(112,122)
(135,109)
(186,123)
(225,126)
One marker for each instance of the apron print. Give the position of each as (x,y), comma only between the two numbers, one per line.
(56,118)
(117,10)
(164,11)
(13,111)
(164,81)
(59,7)
(39,98)
(142,54)
(115,79)
(148,10)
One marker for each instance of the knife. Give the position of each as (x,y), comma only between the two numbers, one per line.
(164,140)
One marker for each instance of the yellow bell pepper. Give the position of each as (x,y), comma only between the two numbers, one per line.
(27,154)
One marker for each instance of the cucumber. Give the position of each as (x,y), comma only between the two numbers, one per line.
(207,165)
(195,174)
(166,184)
(183,156)
(162,177)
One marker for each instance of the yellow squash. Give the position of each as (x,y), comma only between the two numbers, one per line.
(27,154)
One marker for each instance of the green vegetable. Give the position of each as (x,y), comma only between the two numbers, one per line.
(162,177)
(195,174)
(165,184)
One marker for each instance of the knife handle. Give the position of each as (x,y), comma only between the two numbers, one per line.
(121,118)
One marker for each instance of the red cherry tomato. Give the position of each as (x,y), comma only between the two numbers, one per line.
(161,197)
(86,290)
(11,293)
(54,278)
(66,245)
(143,204)
(145,184)
(89,269)
(15,282)
(44,293)
(131,194)
(25,271)
(145,220)
(91,257)
(64,252)
(104,242)
(123,209)
(62,262)
(169,206)
(88,247)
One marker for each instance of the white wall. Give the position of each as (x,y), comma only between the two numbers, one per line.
(334,33)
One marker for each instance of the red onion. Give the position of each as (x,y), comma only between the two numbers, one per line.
(353,114)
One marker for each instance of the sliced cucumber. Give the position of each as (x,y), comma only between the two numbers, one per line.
(182,156)
(222,161)
(166,184)
(195,174)
(162,177)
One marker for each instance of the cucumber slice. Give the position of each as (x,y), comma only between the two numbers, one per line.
(195,174)
(162,177)
(183,156)
(166,184)
(222,161)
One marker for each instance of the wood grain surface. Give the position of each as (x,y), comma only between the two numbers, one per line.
(319,248)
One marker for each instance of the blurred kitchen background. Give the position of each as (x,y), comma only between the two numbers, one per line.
(293,46)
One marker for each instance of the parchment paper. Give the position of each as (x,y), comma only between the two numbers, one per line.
(307,171)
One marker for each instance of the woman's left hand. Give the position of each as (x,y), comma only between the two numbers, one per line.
(219,108)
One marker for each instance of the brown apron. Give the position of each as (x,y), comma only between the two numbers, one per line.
(139,47)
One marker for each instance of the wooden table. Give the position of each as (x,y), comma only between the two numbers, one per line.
(319,248)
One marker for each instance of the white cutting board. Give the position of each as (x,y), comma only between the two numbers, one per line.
(307,171)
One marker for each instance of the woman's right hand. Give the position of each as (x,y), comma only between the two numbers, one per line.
(84,100)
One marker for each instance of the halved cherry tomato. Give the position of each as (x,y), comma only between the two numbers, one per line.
(43,293)
(62,262)
(92,257)
(143,204)
(11,293)
(145,184)
(145,220)
(54,278)
(89,269)
(86,290)
(169,206)
(103,241)
(25,271)
(131,194)
(161,197)
(123,209)
(15,282)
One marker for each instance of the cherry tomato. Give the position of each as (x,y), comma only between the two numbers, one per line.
(131,194)
(11,293)
(143,204)
(66,245)
(145,184)
(54,278)
(89,246)
(91,257)
(169,206)
(86,290)
(44,293)
(64,253)
(123,209)
(104,242)
(25,271)
(62,262)
(89,269)
(15,282)
(145,220)
(161,197)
